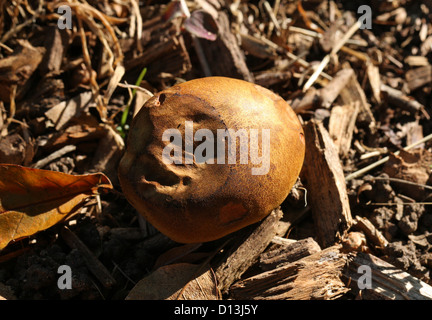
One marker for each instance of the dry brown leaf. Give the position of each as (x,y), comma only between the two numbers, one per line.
(414,167)
(32,200)
(181,281)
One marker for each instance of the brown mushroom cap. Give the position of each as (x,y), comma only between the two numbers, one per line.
(201,202)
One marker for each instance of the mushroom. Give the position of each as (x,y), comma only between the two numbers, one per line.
(210,156)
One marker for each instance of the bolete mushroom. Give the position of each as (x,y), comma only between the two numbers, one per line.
(210,156)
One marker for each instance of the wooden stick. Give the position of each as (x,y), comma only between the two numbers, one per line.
(93,264)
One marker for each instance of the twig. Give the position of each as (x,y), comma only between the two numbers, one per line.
(326,59)
(139,27)
(405,182)
(18,28)
(272,16)
(92,263)
(57,154)
(384,160)
(398,203)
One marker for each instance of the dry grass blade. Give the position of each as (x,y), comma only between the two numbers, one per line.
(326,59)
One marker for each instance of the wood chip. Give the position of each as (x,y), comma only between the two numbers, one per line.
(317,276)
(326,185)
(342,125)
(418,77)
(224,53)
(288,253)
(386,281)
(249,244)
(372,233)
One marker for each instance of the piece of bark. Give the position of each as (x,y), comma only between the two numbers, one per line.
(92,263)
(55,44)
(249,244)
(312,99)
(326,186)
(317,276)
(224,55)
(399,99)
(374,81)
(414,134)
(418,77)
(387,281)
(324,97)
(332,90)
(168,56)
(372,233)
(342,125)
(288,253)
(257,47)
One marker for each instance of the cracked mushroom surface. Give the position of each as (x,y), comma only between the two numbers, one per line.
(210,156)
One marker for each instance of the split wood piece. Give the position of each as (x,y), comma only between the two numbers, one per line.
(332,90)
(387,281)
(249,243)
(225,55)
(92,263)
(374,81)
(288,253)
(372,233)
(353,92)
(258,47)
(418,77)
(317,276)
(55,44)
(342,125)
(326,186)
